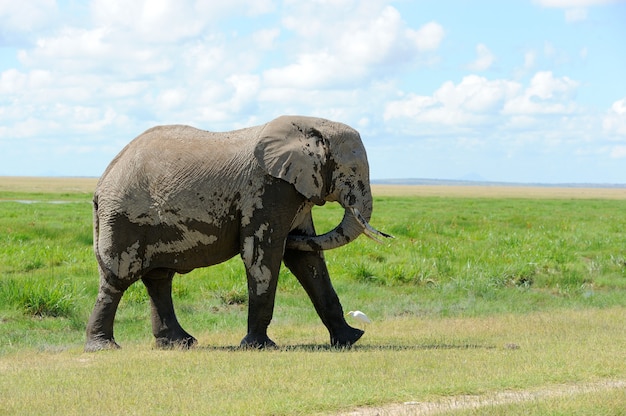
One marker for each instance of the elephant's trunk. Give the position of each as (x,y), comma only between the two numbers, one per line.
(353,224)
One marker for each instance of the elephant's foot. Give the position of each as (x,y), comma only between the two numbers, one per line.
(257,342)
(180,340)
(346,337)
(171,344)
(98,344)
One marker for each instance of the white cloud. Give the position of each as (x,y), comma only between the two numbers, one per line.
(369,42)
(568,4)
(71,46)
(428,37)
(575,15)
(205,57)
(12,80)
(312,70)
(349,42)
(477,101)
(576,10)
(169,21)
(618,152)
(246,89)
(77,50)
(530,57)
(171,98)
(266,38)
(150,20)
(545,95)
(619,107)
(124,89)
(614,122)
(484,59)
(25,17)
(530,62)
(219,9)
(155,61)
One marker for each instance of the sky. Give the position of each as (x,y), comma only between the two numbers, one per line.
(515,91)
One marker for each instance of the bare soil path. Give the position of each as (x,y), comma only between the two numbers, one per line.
(466,402)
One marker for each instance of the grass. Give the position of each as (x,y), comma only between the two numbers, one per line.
(402,359)
(466,282)
(40,300)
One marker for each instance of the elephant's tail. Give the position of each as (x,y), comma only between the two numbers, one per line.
(96,236)
(96,228)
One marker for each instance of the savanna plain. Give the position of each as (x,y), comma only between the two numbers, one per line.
(488,301)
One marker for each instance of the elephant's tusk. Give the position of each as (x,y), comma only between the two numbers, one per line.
(368,230)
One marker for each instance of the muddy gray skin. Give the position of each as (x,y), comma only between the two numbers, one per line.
(177,198)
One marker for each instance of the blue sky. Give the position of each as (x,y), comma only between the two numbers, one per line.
(515,91)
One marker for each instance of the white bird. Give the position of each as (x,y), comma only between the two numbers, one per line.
(361,317)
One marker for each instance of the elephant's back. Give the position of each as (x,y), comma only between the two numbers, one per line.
(178,135)
(167,145)
(176,166)
(178,155)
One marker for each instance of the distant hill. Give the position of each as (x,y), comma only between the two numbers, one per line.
(463,182)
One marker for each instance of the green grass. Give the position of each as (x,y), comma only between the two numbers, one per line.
(463,278)
(450,257)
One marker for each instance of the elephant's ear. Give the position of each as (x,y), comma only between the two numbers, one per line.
(293,149)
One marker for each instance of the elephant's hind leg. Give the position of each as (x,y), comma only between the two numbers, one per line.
(100,325)
(165,326)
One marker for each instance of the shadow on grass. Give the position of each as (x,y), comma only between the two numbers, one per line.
(356,348)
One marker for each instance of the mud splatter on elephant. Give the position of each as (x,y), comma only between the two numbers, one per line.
(177,198)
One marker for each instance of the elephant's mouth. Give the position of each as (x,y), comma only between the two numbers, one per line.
(351,226)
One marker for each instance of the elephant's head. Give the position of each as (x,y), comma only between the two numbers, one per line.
(325,161)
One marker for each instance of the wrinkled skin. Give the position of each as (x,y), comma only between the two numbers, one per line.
(177,198)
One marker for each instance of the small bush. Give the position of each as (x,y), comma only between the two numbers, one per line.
(363,273)
(38,299)
(53,303)
(234,296)
(33,264)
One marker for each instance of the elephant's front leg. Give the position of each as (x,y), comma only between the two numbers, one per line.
(311,271)
(261,253)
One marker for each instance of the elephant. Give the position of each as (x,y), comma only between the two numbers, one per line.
(177,198)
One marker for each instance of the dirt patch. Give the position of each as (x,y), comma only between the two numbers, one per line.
(466,402)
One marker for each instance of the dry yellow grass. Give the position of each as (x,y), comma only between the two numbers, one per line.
(469,191)
(60,185)
(47,184)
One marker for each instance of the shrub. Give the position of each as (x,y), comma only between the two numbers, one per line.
(39,299)
(234,296)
